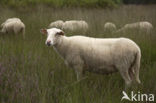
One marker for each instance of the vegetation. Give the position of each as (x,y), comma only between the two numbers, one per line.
(139,1)
(31,72)
(73,3)
(63,3)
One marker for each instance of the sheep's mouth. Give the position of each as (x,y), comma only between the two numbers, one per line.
(48,44)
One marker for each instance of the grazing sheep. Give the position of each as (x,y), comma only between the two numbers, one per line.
(141,26)
(13,26)
(109,27)
(12,19)
(96,54)
(9,20)
(56,24)
(75,26)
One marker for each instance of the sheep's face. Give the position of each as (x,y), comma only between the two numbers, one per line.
(53,36)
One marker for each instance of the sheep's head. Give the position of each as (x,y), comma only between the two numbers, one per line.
(53,35)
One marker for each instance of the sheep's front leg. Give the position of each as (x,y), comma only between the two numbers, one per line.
(75,62)
(79,71)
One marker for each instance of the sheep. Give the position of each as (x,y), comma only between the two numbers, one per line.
(56,24)
(12,19)
(75,26)
(9,20)
(141,26)
(13,26)
(110,27)
(97,55)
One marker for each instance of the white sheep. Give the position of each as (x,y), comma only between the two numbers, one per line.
(110,27)
(75,26)
(56,24)
(13,26)
(96,54)
(12,19)
(141,26)
(9,20)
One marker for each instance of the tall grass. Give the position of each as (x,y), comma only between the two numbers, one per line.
(31,72)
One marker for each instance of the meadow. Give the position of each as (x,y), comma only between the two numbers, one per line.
(31,72)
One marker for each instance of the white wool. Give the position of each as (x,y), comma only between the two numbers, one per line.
(9,20)
(75,26)
(99,55)
(14,25)
(56,24)
(12,19)
(141,26)
(109,27)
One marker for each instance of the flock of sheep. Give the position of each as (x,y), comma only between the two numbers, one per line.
(144,26)
(98,55)
(15,25)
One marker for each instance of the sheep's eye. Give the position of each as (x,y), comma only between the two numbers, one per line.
(60,33)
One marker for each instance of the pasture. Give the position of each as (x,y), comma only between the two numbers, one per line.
(31,72)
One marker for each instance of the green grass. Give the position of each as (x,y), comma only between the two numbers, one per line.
(31,72)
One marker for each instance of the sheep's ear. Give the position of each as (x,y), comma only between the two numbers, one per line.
(60,33)
(43,31)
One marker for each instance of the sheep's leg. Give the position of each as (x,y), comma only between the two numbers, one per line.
(131,74)
(79,71)
(125,75)
(15,31)
(75,62)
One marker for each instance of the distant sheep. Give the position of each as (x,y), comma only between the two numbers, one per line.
(75,26)
(12,19)
(9,20)
(13,26)
(141,26)
(56,24)
(97,55)
(110,27)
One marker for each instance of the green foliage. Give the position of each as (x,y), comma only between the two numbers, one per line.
(73,3)
(60,3)
(139,1)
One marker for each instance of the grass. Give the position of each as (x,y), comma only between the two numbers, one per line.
(31,72)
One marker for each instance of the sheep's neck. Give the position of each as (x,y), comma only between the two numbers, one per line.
(62,46)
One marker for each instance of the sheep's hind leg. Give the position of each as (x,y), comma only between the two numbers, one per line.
(131,74)
(125,75)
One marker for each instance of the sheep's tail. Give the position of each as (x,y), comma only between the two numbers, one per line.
(136,66)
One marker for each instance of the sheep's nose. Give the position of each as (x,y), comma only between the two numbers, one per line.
(48,42)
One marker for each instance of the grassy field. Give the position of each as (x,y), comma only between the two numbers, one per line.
(31,72)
